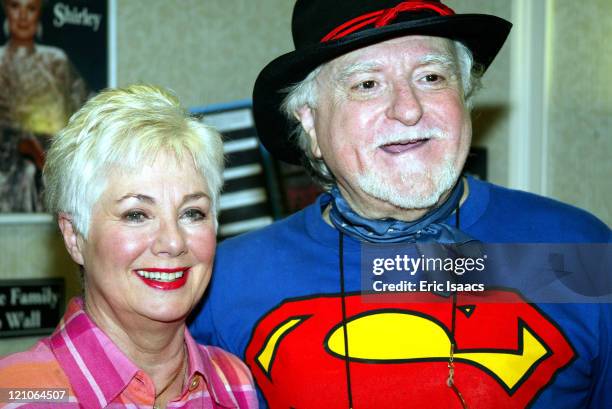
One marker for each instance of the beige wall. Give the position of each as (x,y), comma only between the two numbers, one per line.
(210,51)
(207,51)
(491,118)
(580,114)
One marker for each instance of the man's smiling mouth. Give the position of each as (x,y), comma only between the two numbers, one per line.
(403,146)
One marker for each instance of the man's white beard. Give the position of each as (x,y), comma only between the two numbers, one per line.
(420,188)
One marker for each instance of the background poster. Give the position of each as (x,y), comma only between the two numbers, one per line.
(53,57)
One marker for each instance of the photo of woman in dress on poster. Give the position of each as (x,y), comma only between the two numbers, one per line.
(39,91)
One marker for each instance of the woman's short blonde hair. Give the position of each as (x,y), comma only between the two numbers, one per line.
(120,129)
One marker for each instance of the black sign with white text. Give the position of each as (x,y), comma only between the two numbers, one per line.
(30,307)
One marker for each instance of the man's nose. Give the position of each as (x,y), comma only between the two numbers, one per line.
(170,239)
(404,105)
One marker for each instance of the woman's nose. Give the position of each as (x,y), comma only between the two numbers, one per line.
(170,240)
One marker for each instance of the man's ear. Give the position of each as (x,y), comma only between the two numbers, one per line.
(72,239)
(306,116)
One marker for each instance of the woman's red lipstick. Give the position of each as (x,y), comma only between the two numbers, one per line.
(164,278)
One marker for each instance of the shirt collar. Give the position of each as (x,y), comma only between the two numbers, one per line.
(201,362)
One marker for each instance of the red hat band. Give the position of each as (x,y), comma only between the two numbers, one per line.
(383,17)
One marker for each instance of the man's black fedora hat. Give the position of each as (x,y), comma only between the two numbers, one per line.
(325,29)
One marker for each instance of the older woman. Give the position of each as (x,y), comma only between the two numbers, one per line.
(134,183)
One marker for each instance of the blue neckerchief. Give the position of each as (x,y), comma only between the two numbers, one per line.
(433,237)
(428,229)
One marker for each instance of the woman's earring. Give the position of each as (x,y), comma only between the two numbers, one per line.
(5,28)
(39,31)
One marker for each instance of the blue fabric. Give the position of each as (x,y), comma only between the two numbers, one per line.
(297,258)
(428,229)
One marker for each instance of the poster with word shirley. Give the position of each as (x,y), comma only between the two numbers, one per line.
(53,57)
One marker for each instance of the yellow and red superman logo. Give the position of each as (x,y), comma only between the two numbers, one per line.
(506,353)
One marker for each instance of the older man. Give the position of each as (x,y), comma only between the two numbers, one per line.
(375,101)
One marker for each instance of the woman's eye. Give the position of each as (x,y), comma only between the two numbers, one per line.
(194,214)
(134,216)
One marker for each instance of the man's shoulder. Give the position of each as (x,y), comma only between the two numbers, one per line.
(533,212)
(543,207)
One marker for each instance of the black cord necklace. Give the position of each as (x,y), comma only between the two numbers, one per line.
(347,359)
(450,381)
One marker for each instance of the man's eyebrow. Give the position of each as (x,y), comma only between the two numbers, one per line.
(438,58)
(349,70)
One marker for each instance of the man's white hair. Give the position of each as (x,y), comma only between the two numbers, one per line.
(120,130)
(304,93)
